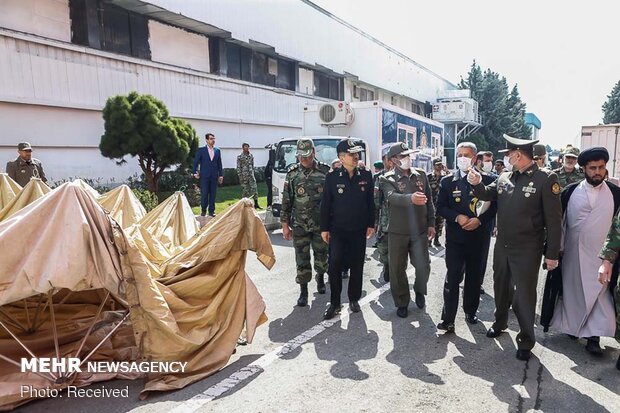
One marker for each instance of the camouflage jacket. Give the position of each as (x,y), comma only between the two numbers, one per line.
(302,195)
(382,213)
(612,243)
(245,167)
(565,178)
(434,181)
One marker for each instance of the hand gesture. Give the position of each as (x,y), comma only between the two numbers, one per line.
(418,198)
(431,233)
(286,232)
(471,224)
(604,272)
(551,264)
(197,175)
(473,177)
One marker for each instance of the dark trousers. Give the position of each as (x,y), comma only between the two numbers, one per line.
(208,188)
(515,277)
(485,245)
(268,182)
(459,256)
(346,247)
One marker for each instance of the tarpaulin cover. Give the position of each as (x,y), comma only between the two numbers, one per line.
(8,189)
(33,190)
(123,206)
(89,189)
(194,312)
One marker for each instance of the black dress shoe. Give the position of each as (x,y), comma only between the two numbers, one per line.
(331,312)
(471,319)
(420,300)
(385,274)
(618,363)
(402,312)
(524,354)
(447,327)
(593,347)
(572,337)
(492,332)
(354,306)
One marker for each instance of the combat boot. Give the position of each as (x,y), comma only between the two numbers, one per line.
(437,243)
(320,283)
(256,206)
(302,301)
(385,273)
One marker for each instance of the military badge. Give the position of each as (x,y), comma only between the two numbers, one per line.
(555,188)
(340,190)
(420,185)
(301,190)
(402,186)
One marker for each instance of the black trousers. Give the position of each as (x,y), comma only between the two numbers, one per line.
(346,247)
(458,256)
(268,182)
(485,245)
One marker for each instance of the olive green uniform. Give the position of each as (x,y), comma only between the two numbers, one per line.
(245,170)
(21,171)
(529,213)
(407,231)
(610,253)
(301,209)
(382,216)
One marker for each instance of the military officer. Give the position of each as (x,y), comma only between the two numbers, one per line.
(433,180)
(569,172)
(382,216)
(609,254)
(467,231)
(540,155)
(245,170)
(529,213)
(25,166)
(300,216)
(347,220)
(410,226)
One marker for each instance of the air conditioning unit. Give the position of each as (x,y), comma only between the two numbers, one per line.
(335,113)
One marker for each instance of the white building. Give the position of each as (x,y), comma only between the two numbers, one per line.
(241,69)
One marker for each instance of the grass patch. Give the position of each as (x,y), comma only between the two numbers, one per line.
(229,195)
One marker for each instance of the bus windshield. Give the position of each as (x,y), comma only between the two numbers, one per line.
(325,150)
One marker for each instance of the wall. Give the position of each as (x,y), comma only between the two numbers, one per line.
(178,47)
(47,18)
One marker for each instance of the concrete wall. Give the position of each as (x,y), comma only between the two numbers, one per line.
(178,47)
(47,18)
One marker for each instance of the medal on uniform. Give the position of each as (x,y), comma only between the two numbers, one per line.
(301,190)
(340,190)
(457,199)
(363,188)
(529,189)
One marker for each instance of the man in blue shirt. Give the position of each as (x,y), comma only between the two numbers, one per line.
(209,158)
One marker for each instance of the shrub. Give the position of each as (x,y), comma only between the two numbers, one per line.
(146,197)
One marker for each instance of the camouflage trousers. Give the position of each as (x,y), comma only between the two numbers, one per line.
(249,189)
(617,294)
(302,240)
(438,226)
(382,248)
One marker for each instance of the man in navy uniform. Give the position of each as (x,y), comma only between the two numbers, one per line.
(466,231)
(347,221)
(211,173)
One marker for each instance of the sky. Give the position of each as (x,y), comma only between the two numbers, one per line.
(564,57)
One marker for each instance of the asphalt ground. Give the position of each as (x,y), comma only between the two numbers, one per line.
(374,361)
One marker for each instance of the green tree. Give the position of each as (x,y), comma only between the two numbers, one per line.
(611,108)
(140,126)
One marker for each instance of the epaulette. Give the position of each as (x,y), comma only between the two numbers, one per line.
(323,165)
(293,167)
(420,171)
(388,174)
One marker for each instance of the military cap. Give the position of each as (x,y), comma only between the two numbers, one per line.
(378,164)
(335,161)
(593,154)
(437,161)
(500,161)
(385,149)
(399,148)
(571,151)
(349,145)
(539,150)
(305,146)
(516,143)
(24,146)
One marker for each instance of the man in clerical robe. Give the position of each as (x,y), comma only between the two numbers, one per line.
(586,309)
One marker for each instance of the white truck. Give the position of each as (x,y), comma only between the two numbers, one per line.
(607,137)
(373,123)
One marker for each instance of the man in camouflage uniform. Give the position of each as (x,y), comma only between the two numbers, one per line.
(609,254)
(301,215)
(245,170)
(382,217)
(433,179)
(569,172)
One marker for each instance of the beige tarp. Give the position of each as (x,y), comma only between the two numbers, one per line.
(195,312)
(8,189)
(123,206)
(172,222)
(87,188)
(33,190)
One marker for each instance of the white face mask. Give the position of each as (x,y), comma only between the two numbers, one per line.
(463,163)
(405,163)
(487,166)
(507,164)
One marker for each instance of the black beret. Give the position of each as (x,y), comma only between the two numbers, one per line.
(595,153)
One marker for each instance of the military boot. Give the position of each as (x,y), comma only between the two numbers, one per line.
(437,243)
(320,283)
(385,273)
(302,301)
(256,206)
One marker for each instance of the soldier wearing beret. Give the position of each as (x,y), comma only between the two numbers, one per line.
(347,220)
(433,180)
(529,214)
(569,172)
(25,166)
(301,200)
(411,225)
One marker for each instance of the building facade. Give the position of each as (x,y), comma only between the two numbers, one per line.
(243,70)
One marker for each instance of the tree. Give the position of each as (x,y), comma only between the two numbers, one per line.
(140,126)
(611,108)
(500,111)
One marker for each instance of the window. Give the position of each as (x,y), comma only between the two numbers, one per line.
(286,75)
(326,86)
(103,26)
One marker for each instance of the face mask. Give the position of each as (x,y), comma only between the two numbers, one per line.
(405,163)
(463,163)
(487,166)
(507,163)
